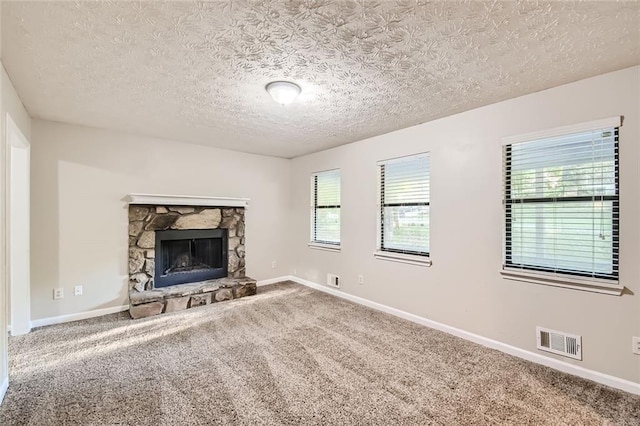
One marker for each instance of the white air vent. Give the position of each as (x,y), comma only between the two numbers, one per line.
(560,343)
(333,280)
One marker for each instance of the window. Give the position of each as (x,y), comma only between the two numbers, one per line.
(404,205)
(325,209)
(561,204)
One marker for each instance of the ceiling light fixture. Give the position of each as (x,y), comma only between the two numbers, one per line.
(283,92)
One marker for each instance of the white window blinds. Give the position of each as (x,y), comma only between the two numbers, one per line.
(325,210)
(561,204)
(404,204)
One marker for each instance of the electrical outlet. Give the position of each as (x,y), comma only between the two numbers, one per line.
(77,290)
(58,293)
(360,279)
(274,264)
(636,345)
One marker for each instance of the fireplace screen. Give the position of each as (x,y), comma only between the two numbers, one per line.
(186,256)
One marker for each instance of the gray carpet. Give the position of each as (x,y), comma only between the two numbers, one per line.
(289,355)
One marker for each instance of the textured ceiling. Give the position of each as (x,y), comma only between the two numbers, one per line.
(195,71)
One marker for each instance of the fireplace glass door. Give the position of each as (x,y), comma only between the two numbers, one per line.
(185,256)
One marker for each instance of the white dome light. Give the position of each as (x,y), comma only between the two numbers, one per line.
(283,92)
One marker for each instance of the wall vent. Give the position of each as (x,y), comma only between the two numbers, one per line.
(333,280)
(557,342)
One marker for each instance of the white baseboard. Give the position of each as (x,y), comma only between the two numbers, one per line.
(576,370)
(273,280)
(78,316)
(3,388)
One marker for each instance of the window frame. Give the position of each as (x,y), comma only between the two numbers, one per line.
(420,258)
(581,280)
(314,242)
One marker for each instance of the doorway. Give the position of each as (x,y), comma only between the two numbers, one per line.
(18,225)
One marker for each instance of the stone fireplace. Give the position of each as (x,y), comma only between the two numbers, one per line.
(185,252)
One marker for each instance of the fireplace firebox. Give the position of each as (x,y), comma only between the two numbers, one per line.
(185,256)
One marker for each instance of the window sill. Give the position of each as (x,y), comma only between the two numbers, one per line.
(558,280)
(325,247)
(402,258)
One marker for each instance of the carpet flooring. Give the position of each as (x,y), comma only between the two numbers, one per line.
(289,355)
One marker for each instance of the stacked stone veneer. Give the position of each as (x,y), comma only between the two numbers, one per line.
(145,220)
(184,296)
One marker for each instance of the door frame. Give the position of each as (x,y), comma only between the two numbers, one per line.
(19,295)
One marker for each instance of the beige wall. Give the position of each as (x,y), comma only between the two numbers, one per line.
(79,221)
(9,103)
(463,288)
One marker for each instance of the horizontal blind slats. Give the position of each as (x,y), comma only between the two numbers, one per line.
(328,188)
(561,207)
(404,199)
(326,207)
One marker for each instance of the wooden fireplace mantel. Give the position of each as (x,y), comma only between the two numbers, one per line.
(186,200)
